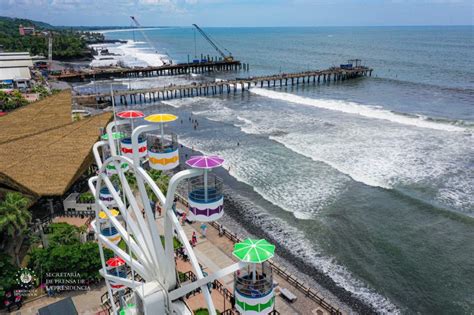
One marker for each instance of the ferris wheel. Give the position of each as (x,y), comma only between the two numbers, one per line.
(141,277)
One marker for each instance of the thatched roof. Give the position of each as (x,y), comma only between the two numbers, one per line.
(45,159)
(49,113)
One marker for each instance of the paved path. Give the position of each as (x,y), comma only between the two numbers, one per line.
(215,252)
(86,302)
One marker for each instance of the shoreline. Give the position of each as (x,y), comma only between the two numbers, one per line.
(239,221)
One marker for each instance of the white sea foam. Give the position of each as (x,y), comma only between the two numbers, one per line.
(296,243)
(182,102)
(356,109)
(379,155)
(131,54)
(282,232)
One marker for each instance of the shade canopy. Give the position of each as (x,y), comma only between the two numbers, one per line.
(130,114)
(161,118)
(115,136)
(205,161)
(254,251)
(115,262)
(114,213)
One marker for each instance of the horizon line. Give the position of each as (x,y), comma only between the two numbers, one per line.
(272,26)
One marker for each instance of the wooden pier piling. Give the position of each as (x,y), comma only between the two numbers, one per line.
(226,86)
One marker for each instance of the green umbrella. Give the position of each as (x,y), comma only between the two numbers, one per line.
(115,136)
(254,251)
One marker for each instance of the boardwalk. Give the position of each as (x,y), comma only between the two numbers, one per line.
(151,95)
(181,68)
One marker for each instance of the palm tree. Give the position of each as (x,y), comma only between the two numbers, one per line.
(14,218)
(161,180)
(131,179)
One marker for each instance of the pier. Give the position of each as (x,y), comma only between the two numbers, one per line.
(139,96)
(165,70)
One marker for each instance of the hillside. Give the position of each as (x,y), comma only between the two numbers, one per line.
(67,44)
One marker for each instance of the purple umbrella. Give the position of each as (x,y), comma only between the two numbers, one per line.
(207,163)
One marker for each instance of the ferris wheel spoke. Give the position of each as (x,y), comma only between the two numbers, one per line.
(127,258)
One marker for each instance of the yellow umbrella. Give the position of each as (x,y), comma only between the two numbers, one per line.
(114,213)
(161,118)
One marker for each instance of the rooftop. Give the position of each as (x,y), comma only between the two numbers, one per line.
(15,66)
(42,152)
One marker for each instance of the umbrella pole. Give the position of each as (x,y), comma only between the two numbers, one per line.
(205,186)
(254,270)
(162,133)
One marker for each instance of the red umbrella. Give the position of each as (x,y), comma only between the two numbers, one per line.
(115,262)
(131,114)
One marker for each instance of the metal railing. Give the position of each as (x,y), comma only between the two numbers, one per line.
(166,145)
(104,298)
(197,189)
(291,279)
(254,286)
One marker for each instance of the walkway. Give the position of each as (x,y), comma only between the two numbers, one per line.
(215,252)
(86,302)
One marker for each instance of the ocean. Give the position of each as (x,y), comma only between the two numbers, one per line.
(369,181)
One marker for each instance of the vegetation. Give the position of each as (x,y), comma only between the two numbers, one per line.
(11,100)
(181,277)
(41,90)
(81,258)
(203,311)
(86,197)
(67,254)
(14,220)
(8,275)
(67,43)
(176,243)
(64,234)
(161,179)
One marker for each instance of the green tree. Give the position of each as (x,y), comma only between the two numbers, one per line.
(12,100)
(132,180)
(161,179)
(81,258)
(86,197)
(7,274)
(14,219)
(64,234)
(41,90)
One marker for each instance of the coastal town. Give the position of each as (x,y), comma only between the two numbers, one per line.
(229,170)
(57,212)
(64,206)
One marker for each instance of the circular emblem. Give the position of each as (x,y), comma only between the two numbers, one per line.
(25,278)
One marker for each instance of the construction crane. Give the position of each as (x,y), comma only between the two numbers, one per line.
(224,56)
(50,50)
(149,42)
(48,35)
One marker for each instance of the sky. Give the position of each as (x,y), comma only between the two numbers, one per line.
(243,12)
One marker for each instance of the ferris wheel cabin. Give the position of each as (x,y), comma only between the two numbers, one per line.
(205,197)
(163,149)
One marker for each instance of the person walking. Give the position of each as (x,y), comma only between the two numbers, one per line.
(183,218)
(158,209)
(194,239)
(203,229)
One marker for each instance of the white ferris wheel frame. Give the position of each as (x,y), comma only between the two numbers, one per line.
(146,255)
